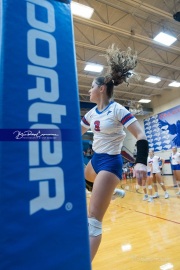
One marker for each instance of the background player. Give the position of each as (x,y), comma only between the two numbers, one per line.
(175,163)
(156,172)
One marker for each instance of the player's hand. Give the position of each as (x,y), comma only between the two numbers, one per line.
(140,172)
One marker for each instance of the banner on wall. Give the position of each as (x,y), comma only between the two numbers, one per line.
(163,129)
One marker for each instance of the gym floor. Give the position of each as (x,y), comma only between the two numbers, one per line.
(139,235)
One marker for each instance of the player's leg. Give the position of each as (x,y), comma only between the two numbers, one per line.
(145,198)
(161,183)
(89,175)
(102,192)
(177,177)
(156,195)
(149,185)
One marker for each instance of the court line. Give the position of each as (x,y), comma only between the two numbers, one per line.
(151,215)
(137,191)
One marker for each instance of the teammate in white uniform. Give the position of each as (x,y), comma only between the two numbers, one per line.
(156,172)
(106,120)
(175,163)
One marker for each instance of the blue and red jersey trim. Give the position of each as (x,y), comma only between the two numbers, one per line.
(85,121)
(127,118)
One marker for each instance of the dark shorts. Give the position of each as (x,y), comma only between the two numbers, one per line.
(110,163)
(148,173)
(176,167)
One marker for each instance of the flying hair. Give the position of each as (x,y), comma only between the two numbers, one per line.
(120,64)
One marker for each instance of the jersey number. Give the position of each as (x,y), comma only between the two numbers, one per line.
(97,125)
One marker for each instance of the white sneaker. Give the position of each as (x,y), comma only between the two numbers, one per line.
(166,195)
(120,192)
(156,195)
(150,199)
(178,193)
(145,198)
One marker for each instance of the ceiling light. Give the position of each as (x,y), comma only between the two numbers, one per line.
(93,67)
(175,84)
(165,39)
(81,10)
(153,79)
(144,100)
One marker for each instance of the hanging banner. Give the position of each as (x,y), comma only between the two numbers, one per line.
(163,129)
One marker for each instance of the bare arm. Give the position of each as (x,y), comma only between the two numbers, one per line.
(140,169)
(163,161)
(83,130)
(137,131)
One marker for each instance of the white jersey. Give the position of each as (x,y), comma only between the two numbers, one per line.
(107,127)
(149,164)
(155,164)
(175,158)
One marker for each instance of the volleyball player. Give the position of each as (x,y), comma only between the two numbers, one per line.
(156,173)
(175,163)
(107,121)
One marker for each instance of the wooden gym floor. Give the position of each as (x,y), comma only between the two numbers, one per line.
(139,235)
